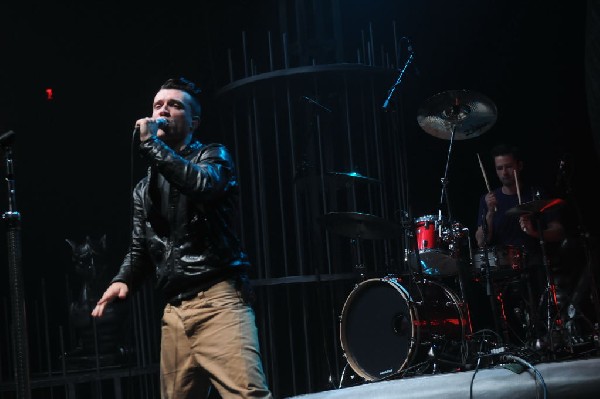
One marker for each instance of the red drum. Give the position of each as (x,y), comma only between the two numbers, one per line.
(503,260)
(437,246)
(383,330)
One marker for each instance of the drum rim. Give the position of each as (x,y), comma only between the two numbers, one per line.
(430,217)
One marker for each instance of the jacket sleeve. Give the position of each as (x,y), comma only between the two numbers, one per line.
(208,176)
(136,265)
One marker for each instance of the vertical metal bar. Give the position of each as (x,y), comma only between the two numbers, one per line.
(7,344)
(46,327)
(364,47)
(245,54)
(305,323)
(254,186)
(117,388)
(71,328)
(271,67)
(348,132)
(38,334)
(230,63)
(285,52)
(300,256)
(397,64)
(96,382)
(372,43)
(63,361)
(280,169)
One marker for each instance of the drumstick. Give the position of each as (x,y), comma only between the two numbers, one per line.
(487,184)
(484,176)
(517,183)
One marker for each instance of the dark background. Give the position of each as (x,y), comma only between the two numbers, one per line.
(104,62)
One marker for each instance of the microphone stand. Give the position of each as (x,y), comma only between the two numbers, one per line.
(393,88)
(19,327)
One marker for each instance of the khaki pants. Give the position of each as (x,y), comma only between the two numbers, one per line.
(211,339)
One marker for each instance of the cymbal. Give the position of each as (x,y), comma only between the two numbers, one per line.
(537,206)
(469,113)
(350,177)
(360,225)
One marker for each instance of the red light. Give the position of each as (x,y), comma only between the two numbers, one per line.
(49,94)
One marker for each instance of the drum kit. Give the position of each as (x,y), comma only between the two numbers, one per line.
(402,324)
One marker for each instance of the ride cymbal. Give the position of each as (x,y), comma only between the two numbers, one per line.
(537,206)
(360,225)
(468,113)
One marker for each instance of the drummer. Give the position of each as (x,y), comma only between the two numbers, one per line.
(516,233)
(510,230)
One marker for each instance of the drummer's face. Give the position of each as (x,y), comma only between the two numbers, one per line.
(505,169)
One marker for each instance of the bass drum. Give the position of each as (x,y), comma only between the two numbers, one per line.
(384,331)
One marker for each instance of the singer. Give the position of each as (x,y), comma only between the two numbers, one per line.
(184,232)
(512,242)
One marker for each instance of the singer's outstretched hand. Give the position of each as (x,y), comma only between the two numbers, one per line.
(115,290)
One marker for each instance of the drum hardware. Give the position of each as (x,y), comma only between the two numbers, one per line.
(437,243)
(537,207)
(456,115)
(356,226)
(334,179)
(346,179)
(500,328)
(360,225)
(387,329)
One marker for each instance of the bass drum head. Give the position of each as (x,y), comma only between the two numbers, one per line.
(377,328)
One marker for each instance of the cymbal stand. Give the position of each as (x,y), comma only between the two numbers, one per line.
(444,193)
(357,255)
(550,291)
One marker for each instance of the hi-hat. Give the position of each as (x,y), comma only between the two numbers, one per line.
(360,225)
(537,206)
(468,113)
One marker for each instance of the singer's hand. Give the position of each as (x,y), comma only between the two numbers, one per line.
(149,127)
(115,290)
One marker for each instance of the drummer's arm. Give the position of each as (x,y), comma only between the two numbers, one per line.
(554,232)
(479,236)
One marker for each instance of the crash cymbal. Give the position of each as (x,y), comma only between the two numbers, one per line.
(360,225)
(350,178)
(537,206)
(469,113)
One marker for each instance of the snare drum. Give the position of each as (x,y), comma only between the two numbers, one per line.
(504,260)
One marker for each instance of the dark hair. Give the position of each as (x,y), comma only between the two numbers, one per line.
(189,87)
(506,149)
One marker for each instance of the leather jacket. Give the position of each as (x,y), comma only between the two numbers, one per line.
(183,220)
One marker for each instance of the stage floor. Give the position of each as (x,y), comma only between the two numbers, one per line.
(564,379)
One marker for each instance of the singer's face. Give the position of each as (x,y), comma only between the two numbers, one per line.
(176,106)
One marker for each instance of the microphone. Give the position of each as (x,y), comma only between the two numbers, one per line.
(162,122)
